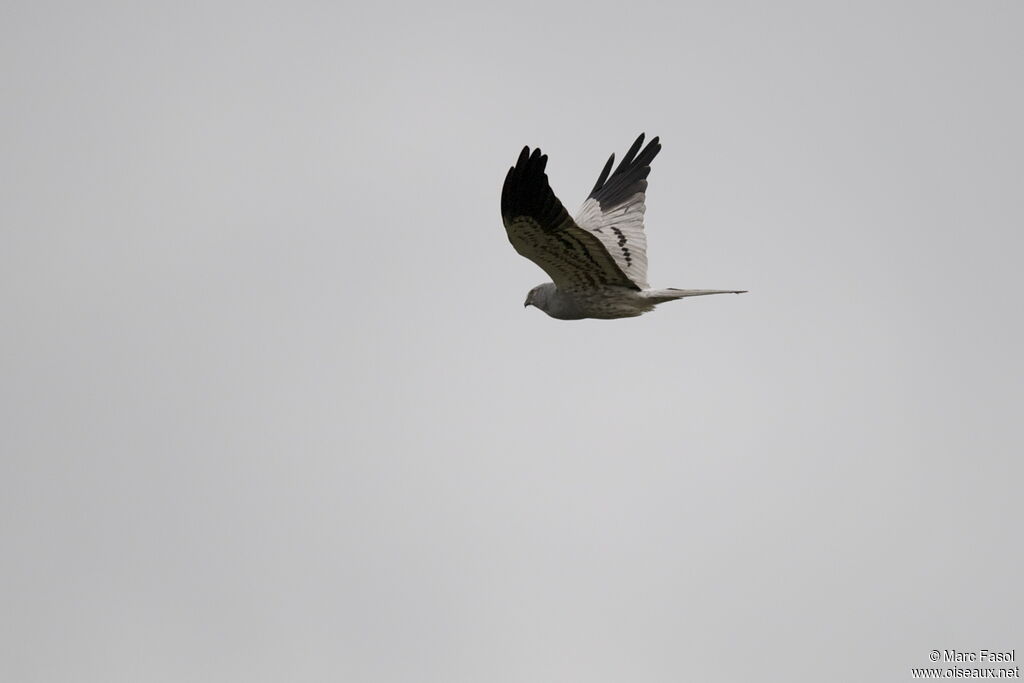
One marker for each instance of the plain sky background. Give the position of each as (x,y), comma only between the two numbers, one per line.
(273,410)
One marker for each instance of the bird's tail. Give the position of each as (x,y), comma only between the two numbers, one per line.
(660,296)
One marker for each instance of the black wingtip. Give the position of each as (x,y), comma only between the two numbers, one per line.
(630,177)
(527,193)
(633,149)
(604,174)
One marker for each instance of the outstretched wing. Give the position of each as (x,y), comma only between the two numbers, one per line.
(614,211)
(540,229)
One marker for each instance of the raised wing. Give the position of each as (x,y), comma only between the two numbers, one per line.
(540,229)
(614,211)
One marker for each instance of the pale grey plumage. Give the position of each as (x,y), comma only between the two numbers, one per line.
(597,262)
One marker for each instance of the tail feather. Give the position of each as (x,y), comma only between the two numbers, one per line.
(660,296)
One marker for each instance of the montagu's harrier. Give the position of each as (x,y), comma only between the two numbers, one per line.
(597,261)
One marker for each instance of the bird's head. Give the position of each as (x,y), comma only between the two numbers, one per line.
(539,296)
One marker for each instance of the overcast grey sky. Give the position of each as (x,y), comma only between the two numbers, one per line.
(273,410)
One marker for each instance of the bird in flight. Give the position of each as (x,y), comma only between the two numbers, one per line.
(597,261)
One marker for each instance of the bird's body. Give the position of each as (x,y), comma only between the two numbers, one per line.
(605,302)
(600,302)
(597,261)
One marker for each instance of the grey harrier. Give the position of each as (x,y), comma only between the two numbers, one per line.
(597,261)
